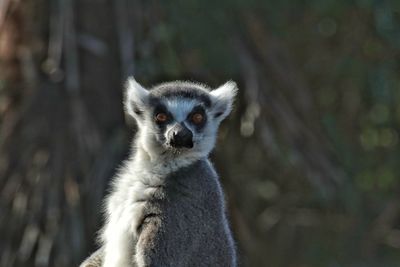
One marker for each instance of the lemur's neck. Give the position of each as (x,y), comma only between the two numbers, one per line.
(161,163)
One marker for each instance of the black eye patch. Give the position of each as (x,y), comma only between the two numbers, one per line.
(160,108)
(198,110)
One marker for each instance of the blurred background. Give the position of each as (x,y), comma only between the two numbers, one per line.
(309,158)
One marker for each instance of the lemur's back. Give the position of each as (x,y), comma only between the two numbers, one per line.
(187,215)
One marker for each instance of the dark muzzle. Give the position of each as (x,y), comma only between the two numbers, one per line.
(180,136)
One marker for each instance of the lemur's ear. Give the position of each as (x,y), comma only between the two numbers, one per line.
(136,98)
(223,98)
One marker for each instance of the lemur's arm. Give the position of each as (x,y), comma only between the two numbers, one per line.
(146,256)
(94,260)
(161,243)
(147,247)
(148,250)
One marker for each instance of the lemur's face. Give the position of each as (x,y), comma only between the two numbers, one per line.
(179,117)
(179,123)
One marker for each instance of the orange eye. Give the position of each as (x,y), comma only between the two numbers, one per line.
(197,118)
(161,117)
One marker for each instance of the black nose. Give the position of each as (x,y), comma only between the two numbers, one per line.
(181,137)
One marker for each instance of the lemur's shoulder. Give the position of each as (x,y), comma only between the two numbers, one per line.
(197,180)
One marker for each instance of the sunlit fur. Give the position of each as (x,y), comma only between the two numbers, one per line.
(153,160)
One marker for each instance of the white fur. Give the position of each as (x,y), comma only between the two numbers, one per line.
(136,96)
(180,108)
(223,98)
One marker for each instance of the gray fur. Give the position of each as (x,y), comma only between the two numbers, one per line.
(187,222)
(166,207)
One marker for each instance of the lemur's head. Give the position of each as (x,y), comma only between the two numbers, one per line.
(179,117)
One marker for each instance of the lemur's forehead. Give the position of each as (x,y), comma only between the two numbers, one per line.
(181,91)
(180,107)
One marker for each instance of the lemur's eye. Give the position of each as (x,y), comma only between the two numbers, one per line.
(161,117)
(197,118)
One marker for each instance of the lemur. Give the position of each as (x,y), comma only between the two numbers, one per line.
(166,206)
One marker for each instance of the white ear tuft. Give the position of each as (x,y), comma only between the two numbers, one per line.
(135,98)
(223,98)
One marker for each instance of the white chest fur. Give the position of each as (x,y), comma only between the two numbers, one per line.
(133,188)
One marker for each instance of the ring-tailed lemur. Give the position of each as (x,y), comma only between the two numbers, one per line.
(166,206)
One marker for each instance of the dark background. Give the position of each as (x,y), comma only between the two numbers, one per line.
(309,158)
